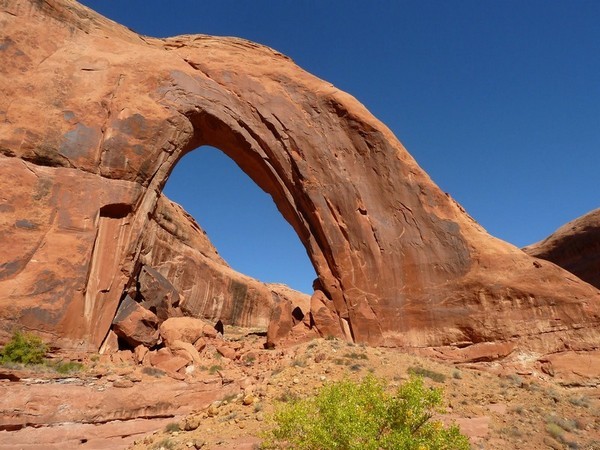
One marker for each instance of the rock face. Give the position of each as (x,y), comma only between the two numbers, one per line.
(574,247)
(175,245)
(94,117)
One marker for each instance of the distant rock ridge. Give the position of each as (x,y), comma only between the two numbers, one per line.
(93,118)
(574,247)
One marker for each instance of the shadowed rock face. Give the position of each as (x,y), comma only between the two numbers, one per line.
(94,117)
(574,247)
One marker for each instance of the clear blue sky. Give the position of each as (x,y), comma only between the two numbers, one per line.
(499,101)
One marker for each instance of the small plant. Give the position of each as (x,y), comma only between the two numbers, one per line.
(24,348)
(512,431)
(431,374)
(580,401)
(364,416)
(153,372)
(228,398)
(249,359)
(355,367)
(65,367)
(356,355)
(565,424)
(229,417)
(518,409)
(287,397)
(298,362)
(165,444)
(214,369)
(554,430)
(172,427)
(457,374)
(516,379)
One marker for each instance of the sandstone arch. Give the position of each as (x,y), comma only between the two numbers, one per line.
(111,112)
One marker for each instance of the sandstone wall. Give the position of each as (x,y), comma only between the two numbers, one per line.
(575,247)
(93,118)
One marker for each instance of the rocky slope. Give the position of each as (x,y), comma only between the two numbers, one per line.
(94,117)
(225,403)
(574,247)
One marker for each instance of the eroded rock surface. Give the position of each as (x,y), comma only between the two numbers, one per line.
(94,117)
(574,247)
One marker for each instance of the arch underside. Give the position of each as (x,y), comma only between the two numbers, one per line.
(398,261)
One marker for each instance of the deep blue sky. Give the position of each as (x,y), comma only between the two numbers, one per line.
(499,101)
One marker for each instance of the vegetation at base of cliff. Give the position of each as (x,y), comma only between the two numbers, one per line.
(24,348)
(365,416)
(29,350)
(66,367)
(431,374)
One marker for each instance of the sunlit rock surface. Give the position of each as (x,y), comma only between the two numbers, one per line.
(94,117)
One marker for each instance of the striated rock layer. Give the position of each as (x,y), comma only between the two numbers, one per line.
(574,247)
(94,117)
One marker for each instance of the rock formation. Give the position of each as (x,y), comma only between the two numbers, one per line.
(93,118)
(574,247)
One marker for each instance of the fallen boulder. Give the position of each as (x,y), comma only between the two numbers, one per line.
(135,324)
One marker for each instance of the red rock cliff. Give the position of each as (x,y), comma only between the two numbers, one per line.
(575,247)
(94,117)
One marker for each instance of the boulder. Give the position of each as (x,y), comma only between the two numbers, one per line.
(186,350)
(110,344)
(323,316)
(200,344)
(185,329)
(226,351)
(135,324)
(158,294)
(573,368)
(281,323)
(140,353)
(164,359)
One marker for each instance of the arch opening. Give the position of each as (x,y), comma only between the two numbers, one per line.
(241,220)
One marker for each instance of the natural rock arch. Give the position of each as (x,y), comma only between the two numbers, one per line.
(400,261)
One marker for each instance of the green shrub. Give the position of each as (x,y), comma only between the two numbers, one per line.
(68,367)
(214,369)
(554,430)
(153,372)
(431,374)
(24,348)
(363,416)
(165,444)
(356,355)
(172,427)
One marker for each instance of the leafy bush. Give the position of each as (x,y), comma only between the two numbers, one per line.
(24,348)
(363,416)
